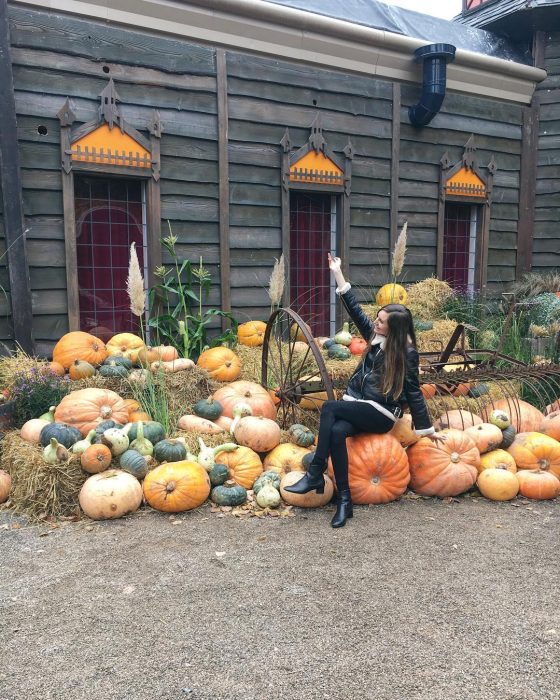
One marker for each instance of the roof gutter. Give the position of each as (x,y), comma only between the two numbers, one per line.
(291,34)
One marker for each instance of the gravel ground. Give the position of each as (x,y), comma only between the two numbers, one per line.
(420,599)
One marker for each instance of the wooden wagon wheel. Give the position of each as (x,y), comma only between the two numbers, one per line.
(292,368)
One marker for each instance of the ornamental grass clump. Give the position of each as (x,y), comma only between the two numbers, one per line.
(34,390)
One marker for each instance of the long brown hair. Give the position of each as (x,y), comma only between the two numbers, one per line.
(401,335)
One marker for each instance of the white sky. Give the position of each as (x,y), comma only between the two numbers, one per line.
(438,8)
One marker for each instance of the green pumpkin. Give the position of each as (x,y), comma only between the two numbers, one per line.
(300,435)
(508,436)
(117,360)
(328,343)
(270,477)
(65,434)
(208,408)
(153,431)
(169,451)
(478,390)
(420,325)
(228,494)
(134,463)
(219,474)
(100,428)
(113,370)
(338,352)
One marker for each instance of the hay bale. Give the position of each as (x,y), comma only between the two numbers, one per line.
(251,362)
(427,298)
(437,338)
(16,364)
(39,489)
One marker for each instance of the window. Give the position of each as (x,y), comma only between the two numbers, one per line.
(460,245)
(109,218)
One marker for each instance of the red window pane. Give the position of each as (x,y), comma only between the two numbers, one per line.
(108,220)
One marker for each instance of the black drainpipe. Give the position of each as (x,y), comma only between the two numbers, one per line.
(435,58)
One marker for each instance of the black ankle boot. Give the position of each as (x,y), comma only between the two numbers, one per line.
(343,509)
(312,480)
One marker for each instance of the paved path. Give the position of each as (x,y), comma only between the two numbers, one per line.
(420,599)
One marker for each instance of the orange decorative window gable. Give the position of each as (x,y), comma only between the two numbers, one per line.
(465,183)
(316,167)
(110,147)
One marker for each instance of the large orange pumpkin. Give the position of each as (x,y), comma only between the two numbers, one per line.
(524,417)
(221,363)
(125,345)
(497,459)
(457,419)
(550,425)
(5,485)
(78,345)
(487,437)
(259,433)
(85,408)
(536,451)
(251,333)
(537,484)
(377,468)
(445,469)
(286,458)
(498,484)
(174,487)
(244,465)
(252,393)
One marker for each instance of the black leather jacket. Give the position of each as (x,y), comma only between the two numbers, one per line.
(365,383)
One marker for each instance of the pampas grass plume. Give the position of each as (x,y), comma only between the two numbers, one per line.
(135,284)
(399,252)
(277,280)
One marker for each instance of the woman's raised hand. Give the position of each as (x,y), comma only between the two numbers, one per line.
(437,437)
(334,263)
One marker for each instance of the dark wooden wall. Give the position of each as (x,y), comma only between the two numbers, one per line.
(546,245)
(57,56)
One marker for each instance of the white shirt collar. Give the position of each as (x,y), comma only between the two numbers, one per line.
(379,340)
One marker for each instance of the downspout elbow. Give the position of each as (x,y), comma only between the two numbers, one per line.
(435,58)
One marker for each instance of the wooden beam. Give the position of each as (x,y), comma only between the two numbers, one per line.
(223,175)
(10,180)
(395,163)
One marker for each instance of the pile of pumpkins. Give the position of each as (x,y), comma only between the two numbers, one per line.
(82,355)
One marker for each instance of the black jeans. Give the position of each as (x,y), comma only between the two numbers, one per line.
(339,420)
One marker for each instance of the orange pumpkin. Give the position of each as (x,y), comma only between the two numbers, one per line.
(274,396)
(146,356)
(487,437)
(85,408)
(251,333)
(244,465)
(498,484)
(550,425)
(125,345)
(96,458)
(524,417)
(259,433)
(56,368)
(139,416)
(80,369)
(78,345)
(404,432)
(166,353)
(252,393)
(311,499)
(286,458)
(357,345)
(497,459)
(537,484)
(221,363)
(377,468)
(428,390)
(461,389)
(174,487)
(5,485)
(536,451)
(457,419)
(132,405)
(445,469)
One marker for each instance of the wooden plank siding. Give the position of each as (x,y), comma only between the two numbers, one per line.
(58,56)
(150,73)
(546,242)
(497,131)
